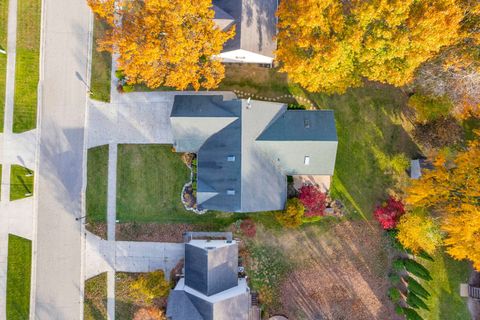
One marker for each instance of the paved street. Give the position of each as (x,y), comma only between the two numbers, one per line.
(57,287)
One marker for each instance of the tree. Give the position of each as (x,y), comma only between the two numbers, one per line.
(389,213)
(451,185)
(429,108)
(291,217)
(452,190)
(313,200)
(418,232)
(164,42)
(456,71)
(150,285)
(332,45)
(463,231)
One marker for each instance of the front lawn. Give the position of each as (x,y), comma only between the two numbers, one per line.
(95,304)
(21,182)
(27,65)
(3,57)
(18,277)
(150,179)
(101,64)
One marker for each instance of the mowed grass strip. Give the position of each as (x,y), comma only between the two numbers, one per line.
(95,304)
(445,301)
(150,179)
(3,57)
(97,184)
(27,65)
(101,64)
(18,277)
(21,182)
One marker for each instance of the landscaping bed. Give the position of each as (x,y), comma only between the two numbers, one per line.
(95,304)
(128,303)
(154,232)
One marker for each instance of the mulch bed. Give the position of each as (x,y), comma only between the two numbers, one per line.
(154,232)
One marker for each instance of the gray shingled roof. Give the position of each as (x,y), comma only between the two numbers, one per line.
(267,141)
(180,307)
(211,271)
(255,25)
(299,134)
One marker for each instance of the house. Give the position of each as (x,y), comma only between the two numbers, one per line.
(211,288)
(255,29)
(247,148)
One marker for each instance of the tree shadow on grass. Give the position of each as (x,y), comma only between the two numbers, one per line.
(370,126)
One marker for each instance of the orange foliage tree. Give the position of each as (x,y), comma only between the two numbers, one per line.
(164,42)
(332,45)
(452,190)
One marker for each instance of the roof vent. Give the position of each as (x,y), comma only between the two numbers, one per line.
(306,123)
(306,160)
(230,192)
(231,158)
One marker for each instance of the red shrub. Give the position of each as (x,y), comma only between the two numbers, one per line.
(389,213)
(313,200)
(248,228)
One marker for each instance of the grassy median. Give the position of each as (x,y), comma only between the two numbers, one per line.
(21,182)
(27,65)
(18,277)
(101,65)
(3,57)
(95,305)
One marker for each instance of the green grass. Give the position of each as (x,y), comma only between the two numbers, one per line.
(445,301)
(3,57)
(95,304)
(97,184)
(20,183)
(101,65)
(27,65)
(18,277)
(149,183)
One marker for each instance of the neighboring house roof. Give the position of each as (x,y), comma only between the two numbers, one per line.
(211,269)
(242,166)
(255,24)
(181,307)
(211,289)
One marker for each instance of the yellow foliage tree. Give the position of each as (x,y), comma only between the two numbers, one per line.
(164,42)
(331,45)
(418,232)
(292,216)
(452,190)
(464,234)
(149,286)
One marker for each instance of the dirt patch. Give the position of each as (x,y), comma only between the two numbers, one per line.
(339,273)
(156,232)
(97,228)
